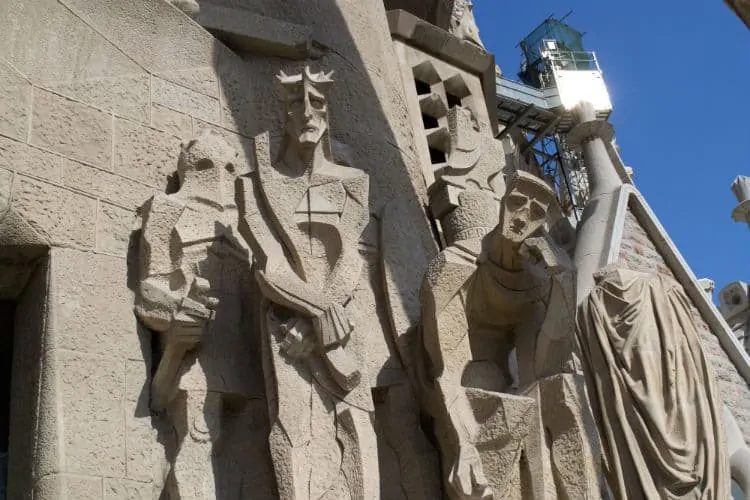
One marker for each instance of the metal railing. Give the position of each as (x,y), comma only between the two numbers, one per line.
(572,61)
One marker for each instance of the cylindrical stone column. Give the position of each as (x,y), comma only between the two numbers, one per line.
(594,229)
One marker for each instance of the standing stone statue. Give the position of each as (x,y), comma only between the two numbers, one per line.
(303,216)
(498,292)
(194,280)
(651,389)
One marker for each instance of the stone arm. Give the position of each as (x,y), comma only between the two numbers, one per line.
(276,278)
(179,315)
(281,285)
(447,356)
(156,302)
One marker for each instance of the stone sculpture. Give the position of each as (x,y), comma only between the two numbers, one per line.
(494,293)
(651,389)
(741,190)
(462,24)
(303,215)
(194,277)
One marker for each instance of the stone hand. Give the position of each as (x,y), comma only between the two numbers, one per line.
(298,339)
(333,326)
(193,312)
(538,250)
(467,477)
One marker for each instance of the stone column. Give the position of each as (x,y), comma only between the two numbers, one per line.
(594,230)
(741,189)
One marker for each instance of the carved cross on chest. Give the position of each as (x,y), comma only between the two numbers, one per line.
(318,215)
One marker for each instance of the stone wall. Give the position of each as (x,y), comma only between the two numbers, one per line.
(638,252)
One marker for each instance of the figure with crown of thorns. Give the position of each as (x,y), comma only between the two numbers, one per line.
(303,215)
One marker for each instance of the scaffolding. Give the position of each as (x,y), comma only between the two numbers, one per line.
(556,73)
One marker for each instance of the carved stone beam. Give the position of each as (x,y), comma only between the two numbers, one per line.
(243,30)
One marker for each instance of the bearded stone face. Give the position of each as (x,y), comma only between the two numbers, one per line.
(522,216)
(307,112)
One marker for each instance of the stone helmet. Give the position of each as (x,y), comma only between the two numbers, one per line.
(206,151)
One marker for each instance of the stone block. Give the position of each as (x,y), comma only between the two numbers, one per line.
(142,444)
(65,218)
(144,153)
(94,308)
(15,102)
(155,34)
(46,42)
(247,31)
(127,489)
(185,100)
(6,185)
(244,103)
(93,426)
(202,80)
(126,96)
(29,160)
(105,185)
(145,452)
(70,128)
(69,487)
(171,122)
(113,227)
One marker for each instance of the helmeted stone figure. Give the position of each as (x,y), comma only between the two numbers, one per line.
(501,291)
(303,215)
(193,292)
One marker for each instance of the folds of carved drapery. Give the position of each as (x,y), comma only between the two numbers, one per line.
(651,389)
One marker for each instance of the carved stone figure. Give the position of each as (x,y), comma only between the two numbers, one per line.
(651,389)
(303,216)
(485,297)
(194,278)
(463,24)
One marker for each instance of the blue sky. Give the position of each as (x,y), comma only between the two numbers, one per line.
(678,75)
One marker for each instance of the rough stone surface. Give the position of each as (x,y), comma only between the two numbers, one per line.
(184,100)
(49,44)
(113,227)
(64,217)
(93,416)
(69,486)
(29,160)
(127,489)
(144,153)
(171,122)
(71,128)
(89,289)
(126,96)
(6,186)
(201,80)
(106,185)
(15,102)
(639,253)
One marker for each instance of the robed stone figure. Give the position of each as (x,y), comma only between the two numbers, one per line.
(303,216)
(651,389)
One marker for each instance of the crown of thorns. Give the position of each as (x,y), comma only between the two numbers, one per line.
(291,83)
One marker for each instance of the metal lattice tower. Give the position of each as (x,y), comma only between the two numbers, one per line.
(556,73)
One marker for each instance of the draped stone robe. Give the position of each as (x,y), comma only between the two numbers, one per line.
(652,390)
